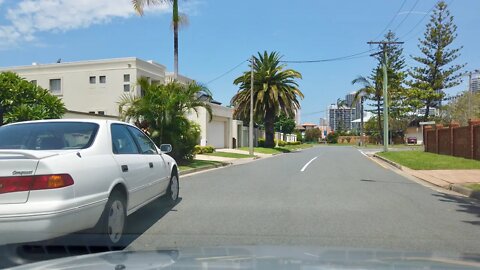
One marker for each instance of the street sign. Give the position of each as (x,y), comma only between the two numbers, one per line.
(427,123)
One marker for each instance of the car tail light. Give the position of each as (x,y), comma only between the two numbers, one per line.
(38,182)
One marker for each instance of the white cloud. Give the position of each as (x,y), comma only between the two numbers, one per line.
(29,17)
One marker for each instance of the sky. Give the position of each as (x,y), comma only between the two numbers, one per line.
(222,34)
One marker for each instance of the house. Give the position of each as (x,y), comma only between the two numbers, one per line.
(96,86)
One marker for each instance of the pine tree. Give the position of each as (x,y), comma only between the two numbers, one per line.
(435,72)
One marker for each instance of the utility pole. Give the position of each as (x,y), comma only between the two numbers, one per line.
(250,131)
(385,88)
(361,121)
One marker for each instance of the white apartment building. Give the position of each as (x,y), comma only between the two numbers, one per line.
(96,87)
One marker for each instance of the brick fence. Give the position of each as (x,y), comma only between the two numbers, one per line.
(454,140)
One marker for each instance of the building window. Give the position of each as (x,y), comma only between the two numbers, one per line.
(34,82)
(56,86)
(103,79)
(93,80)
(126,77)
(101,112)
(126,88)
(91,112)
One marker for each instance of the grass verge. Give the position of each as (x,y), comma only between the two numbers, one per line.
(228,155)
(195,164)
(418,160)
(475,187)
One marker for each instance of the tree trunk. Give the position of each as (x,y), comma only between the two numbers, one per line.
(175,37)
(427,112)
(269,128)
(1,116)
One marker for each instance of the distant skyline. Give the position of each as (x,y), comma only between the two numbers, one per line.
(223,34)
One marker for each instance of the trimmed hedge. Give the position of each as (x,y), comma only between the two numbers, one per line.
(204,149)
(261,143)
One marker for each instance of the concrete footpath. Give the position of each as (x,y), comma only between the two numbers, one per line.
(449,179)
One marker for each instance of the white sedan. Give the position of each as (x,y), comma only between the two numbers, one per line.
(62,176)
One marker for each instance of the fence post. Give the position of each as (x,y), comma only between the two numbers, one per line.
(437,127)
(425,137)
(471,124)
(452,138)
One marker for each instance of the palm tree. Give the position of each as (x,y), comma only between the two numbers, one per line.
(275,90)
(163,107)
(177,20)
(372,91)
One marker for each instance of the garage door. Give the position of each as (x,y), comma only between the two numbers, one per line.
(216,134)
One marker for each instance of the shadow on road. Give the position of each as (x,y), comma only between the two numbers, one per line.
(387,182)
(467,205)
(83,243)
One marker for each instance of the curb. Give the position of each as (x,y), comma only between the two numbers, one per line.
(465,191)
(394,164)
(190,171)
(454,187)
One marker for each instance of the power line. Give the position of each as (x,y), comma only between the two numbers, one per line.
(227,72)
(346,57)
(392,20)
(419,22)
(406,17)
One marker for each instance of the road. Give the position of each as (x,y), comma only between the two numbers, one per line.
(325,196)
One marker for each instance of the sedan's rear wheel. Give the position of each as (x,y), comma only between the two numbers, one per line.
(113,220)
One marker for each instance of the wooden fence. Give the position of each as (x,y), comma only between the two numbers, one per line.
(454,140)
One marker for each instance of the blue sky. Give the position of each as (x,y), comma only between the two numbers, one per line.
(221,34)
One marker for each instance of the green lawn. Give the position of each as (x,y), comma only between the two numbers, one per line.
(198,164)
(475,187)
(228,155)
(418,160)
(263,150)
(278,150)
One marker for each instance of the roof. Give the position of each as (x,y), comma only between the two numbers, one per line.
(84,62)
(308,124)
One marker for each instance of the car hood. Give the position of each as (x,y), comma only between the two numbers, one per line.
(262,257)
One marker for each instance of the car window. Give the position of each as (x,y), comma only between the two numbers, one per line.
(146,145)
(122,140)
(48,136)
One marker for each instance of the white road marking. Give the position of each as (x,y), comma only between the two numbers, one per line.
(363,153)
(308,163)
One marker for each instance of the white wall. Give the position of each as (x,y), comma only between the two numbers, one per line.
(79,94)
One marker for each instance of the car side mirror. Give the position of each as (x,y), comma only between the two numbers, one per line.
(166,148)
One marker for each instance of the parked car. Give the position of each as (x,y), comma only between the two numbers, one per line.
(412,140)
(64,176)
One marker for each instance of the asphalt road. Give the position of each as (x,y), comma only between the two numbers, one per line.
(342,199)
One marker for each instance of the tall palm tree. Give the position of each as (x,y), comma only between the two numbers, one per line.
(372,91)
(177,20)
(275,90)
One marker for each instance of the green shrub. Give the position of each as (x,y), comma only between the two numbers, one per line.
(204,149)
(332,137)
(294,143)
(261,142)
(280,143)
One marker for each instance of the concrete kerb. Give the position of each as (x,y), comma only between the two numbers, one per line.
(194,170)
(454,187)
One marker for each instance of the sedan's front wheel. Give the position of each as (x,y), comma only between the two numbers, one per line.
(173,189)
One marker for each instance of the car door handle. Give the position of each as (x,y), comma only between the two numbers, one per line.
(150,164)
(124,168)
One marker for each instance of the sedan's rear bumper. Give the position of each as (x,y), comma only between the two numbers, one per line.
(38,227)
